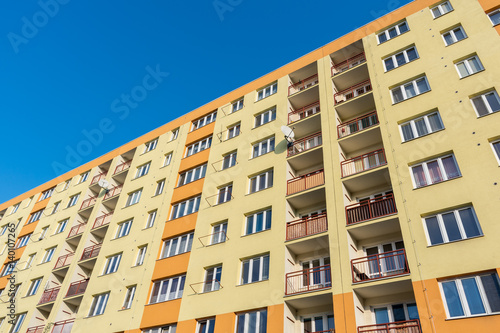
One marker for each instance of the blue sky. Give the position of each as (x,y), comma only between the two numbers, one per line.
(66,66)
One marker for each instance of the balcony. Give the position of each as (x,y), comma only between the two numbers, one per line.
(371,209)
(97,178)
(91,252)
(305,182)
(122,167)
(77,230)
(363,163)
(64,260)
(312,279)
(357,125)
(303,84)
(379,266)
(409,326)
(348,64)
(113,192)
(36,329)
(64,326)
(88,202)
(49,295)
(102,220)
(77,288)
(352,92)
(303,112)
(304,144)
(306,226)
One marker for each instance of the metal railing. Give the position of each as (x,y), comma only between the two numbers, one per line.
(77,230)
(98,177)
(370,209)
(64,260)
(77,288)
(305,182)
(91,252)
(49,295)
(303,84)
(88,202)
(304,112)
(122,167)
(310,225)
(113,192)
(357,125)
(215,238)
(102,220)
(352,92)
(310,279)
(63,326)
(220,198)
(354,61)
(363,162)
(331,330)
(36,329)
(378,266)
(206,286)
(408,326)
(306,143)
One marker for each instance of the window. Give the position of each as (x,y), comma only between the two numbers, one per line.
(151,219)
(318,323)
(261,182)
(392,32)
(43,233)
(486,103)
(73,200)
(178,245)
(229,160)
(23,241)
(61,226)
(35,216)
(206,326)
(163,329)
(410,89)
(421,126)
(496,149)
(471,295)
(84,177)
(15,208)
(168,159)
(129,297)
(219,232)
(123,229)
(238,105)
(66,184)
(198,146)
(9,268)
(159,187)
(168,289)
(98,304)
(29,261)
(495,17)
(400,58)
(29,202)
(258,222)
(252,322)
(263,147)
(192,175)
(267,91)
(133,198)
(255,269)
(112,264)
(435,171)
(212,279)
(46,194)
(33,288)
(441,9)
(233,131)
(452,226)
(395,313)
(151,145)
(142,170)
(141,254)
(56,207)
(18,322)
(4,229)
(210,118)
(454,35)
(224,194)
(185,208)
(469,66)
(175,134)
(265,117)
(49,253)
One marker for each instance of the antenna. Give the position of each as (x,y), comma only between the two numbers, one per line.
(289,134)
(103,184)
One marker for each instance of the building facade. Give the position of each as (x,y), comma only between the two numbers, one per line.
(378,212)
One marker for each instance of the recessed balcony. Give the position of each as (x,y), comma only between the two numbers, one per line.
(113,192)
(366,210)
(303,84)
(357,125)
(352,92)
(36,329)
(102,220)
(379,266)
(64,326)
(64,260)
(304,144)
(348,64)
(304,112)
(77,230)
(49,295)
(87,203)
(77,288)
(308,280)
(91,252)
(305,182)
(122,167)
(408,326)
(307,226)
(363,163)
(97,178)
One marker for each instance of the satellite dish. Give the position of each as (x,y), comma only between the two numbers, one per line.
(288,132)
(103,183)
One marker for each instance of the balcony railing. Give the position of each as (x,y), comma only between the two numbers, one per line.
(363,162)
(303,84)
(88,202)
(310,279)
(408,326)
(64,260)
(215,238)
(77,288)
(91,252)
(379,266)
(306,226)
(49,295)
(77,230)
(223,196)
(304,144)
(102,220)
(112,192)
(122,167)
(206,286)
(348,64)
(371,209)
(352,92)
(63,326)
(98,177)
(303,112)
(36,329)
(357,125)
(331,330)
(305,182)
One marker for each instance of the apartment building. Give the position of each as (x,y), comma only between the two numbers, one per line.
(377,212)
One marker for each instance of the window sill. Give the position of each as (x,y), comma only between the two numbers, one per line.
(175,255)
(444,181)
(458,41)
(435,18)
(406,63)
(246,284)
(455,241)
(164,166)
(422,136)
(392,37)
(482,70)
(180,217)
(173,299)
(263,98)
(130,205)
(252,158)
(474,316)
(404,100)
(488,114)
(138,177)
(257,232)
(256,127)
(258,191)
(122,309)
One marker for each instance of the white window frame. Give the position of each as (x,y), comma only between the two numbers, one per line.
(268,181)
(441,9)
(405,56)
(205,325)
(185,207)
(133,198)
(177,245)
(162,329)
(83,177)
(246,277)
(8,268)
(15,208)
(313,317)
(4,229)
(23,241)
(233,131)
(46,194)
(264,117)
(123,229)
(35,216)
(61,226)
(160,185)
(263,147)
(413,83)
(56,207)
(224,194)
(390,310)
(453,35)
(176,289)
(496,152)
(397,28)
(49,253)
(251,221)
(203,121)
(442,170)
(198,146)
(495,13)
(151,145)
(141,255)
(175,134)
(19,322)
(44,232)
(66,184)
(243,322)
(151,218)
(129,297)
(142,170)
(112,264)
(229,160)
(73,200)
(211,282)
(30,260)
(238,105)
(486,103)
(267,91)
(33,288)
(470,70)
(168,159)
(192,175)
(99,303)
(426,122)
(219,233)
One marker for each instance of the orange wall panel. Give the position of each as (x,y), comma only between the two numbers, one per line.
(4,281)
(194,160)
(275,315)
(19,253)
(40,205)
(160,313)
(179,226)
(188,326)
(188,190)
(200,133)
(224,323)
(27,229)
(489,4)
(172,266)
(345,320)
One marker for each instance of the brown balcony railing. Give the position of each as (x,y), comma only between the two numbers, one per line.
(91,252)
(331,330)
(49,295)
(98,177)
(102,220)
(64,326)
(36,329)
(304,112)
(88,202)
(311,279)
(352,92)
(112,192)
(370,209)
(206,286)
(348,64)
(77,288)
(64,260)
(306,226)
(304,144)
(223,196)
(363,162)
(215,238)
(122,167)
(305,182)
(379,266)
(357,125)
(408,326)
(77,230)
(303,84)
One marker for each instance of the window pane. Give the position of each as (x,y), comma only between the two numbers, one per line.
(419,176)
(398,311)
(410,90)
(263,322)
(480,106)
(435,122)
(493,102)
(492,290)
(459,34)
(434,172)
(447,7)
(469,222)
(255,270)
(265,268)
(412,311)
(451,226)
(407,132)
(392,32)
(496,146)
(389,64)
(397,95)
(246,267)
(473,297)
(450,167)
(382,37)
(421,127)
(412,54)
(475,65)
(403,27)
(448,38)
(495,18)
(241,323)
(252,322)
(422,86)
(381,316)
(452,299)
(400,59)
(462,69)
(433,230)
